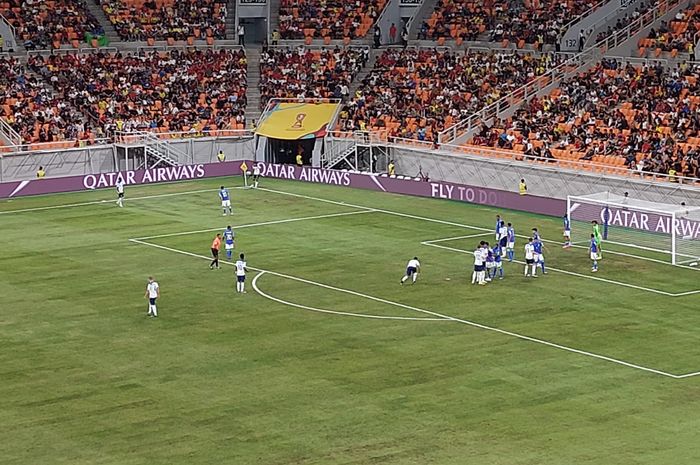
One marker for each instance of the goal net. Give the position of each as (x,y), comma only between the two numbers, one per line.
(669,232)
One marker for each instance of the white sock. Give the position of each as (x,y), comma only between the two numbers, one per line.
(150,309)
(473,277)
(525,270)
(242,287)
(481,276)
(415,276)
(155,311)
(534,269)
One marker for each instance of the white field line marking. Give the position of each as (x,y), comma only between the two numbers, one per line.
(595,278)
(320,310)
(438,315)
(251,225)
(456,238)
(479,228)
(110,201)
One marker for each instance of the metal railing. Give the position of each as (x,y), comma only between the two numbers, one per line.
(9,134)
(554,75)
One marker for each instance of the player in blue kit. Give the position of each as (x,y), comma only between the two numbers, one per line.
(498,227)
(229,236)
(498,268)
(225,201)
(535,234)
(595,253)
(539,255)
(490,263)
(567,232)
(510,245)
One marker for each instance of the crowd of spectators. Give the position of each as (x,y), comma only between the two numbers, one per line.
(679,35)
(161,19)
(537,22)
(179,91)
(43,24)
(416,93)
(28,105)
(336,19)
(643,117)
(308,73)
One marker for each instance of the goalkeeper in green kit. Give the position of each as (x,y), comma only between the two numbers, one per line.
(598,237)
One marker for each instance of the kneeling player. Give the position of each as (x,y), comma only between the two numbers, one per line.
(412,270)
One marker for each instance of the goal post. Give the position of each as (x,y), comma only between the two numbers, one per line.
(671,231)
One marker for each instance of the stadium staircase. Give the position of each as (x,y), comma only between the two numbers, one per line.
(99,13)
(252,109)
(156,152)
(274,15)
(364,72)
(231,21)
(423,13)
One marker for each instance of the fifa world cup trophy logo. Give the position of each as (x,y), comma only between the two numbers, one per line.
(299,123)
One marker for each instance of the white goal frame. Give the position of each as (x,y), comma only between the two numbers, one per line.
(666,221)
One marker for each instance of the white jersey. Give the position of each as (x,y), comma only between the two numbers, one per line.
(240,268)
(152,289)
(478,257)
(120,187)
(256,170)
(529,251)
(413,263)
(502,232)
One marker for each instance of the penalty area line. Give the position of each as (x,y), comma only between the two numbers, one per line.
(442,316)
(265,223)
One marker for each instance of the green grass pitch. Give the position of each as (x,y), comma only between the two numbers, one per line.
(563,369)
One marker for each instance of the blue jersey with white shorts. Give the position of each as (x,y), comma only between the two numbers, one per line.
(224,195)
(567,224)
(228,236)
(511,235)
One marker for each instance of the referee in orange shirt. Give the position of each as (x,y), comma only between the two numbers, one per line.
(215,247)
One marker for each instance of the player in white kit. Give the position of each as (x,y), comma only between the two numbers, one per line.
(412,270)
(120,192)
(152,293)
(530,258)
(256,175)
(241,270)
(478,273)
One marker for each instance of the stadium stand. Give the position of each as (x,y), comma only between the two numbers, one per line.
(678,36)
(43,24)
(31,109)
(143,20)
(335,19)
(531,22)
(415,93)
(197,91)
(640,117)
(309,73)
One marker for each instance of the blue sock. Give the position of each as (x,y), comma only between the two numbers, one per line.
(542,263)
(500,270)
(228,254)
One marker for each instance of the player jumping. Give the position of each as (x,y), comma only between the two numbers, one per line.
(225,201)
(229,236)
(412,270)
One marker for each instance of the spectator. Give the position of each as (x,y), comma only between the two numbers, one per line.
(308,73)
(392,33)
(328,18)
(275,37)
(241,34)
(377,37)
